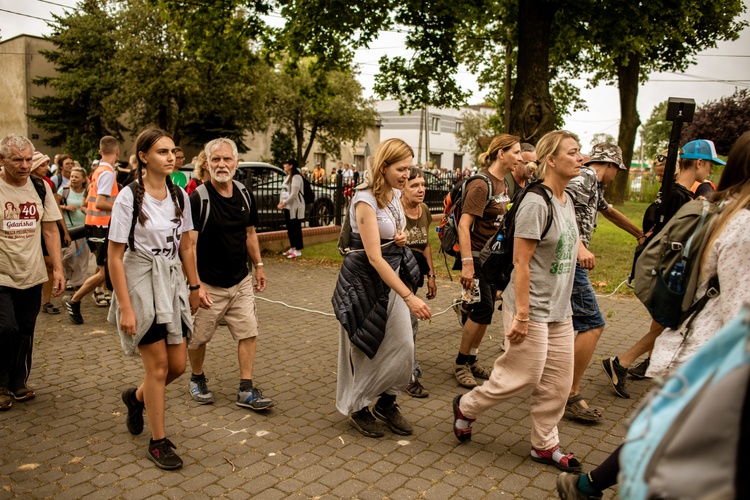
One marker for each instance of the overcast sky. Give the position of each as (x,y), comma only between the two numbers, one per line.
(729,62)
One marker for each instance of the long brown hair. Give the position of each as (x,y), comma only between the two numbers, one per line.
(388,153)
(143,143)
(733,185)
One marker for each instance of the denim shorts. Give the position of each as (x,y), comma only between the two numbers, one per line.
(586,313)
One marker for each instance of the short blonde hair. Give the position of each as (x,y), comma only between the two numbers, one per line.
(388,153)
(548,146)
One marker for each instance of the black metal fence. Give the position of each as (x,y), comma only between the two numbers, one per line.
(331,198)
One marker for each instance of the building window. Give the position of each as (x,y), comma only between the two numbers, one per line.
(435,159)
(320,158)
(435,124)
(359,162)
(458,162)
(459,127)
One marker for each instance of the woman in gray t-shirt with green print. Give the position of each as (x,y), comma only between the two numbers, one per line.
(537,317)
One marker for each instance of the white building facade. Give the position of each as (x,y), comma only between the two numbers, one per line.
(430,132)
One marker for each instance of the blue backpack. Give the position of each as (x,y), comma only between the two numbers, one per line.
(690,438)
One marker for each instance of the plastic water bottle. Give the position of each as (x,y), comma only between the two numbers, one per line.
(676,278)
(497,246)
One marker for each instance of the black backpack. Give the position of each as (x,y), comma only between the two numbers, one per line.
(496,257)
(307,191)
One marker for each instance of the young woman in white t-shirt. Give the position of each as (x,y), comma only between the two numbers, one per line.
(159,235)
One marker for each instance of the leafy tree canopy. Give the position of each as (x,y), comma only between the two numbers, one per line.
(722,121)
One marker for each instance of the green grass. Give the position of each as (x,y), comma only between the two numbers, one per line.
(612,247)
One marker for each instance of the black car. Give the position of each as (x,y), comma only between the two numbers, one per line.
(265,180)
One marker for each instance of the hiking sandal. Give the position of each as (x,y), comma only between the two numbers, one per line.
(50,308)
(575,406)
(101,299)
(553,456)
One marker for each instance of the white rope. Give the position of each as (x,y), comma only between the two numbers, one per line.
(613,291)
(258,297)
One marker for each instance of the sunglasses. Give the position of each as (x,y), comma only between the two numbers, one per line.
(660,158)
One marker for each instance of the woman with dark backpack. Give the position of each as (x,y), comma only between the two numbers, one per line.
(292,202)
(151,306)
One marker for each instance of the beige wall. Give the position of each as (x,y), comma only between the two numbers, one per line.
(21,63)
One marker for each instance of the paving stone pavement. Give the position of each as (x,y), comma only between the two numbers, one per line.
(71,441)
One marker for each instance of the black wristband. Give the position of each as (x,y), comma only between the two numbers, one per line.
(194,287)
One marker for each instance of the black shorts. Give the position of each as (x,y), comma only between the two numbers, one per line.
(157,332)
(98,247)
(481,312)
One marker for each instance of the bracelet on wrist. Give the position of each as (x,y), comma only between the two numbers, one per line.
(464,259)
(408,297)
(526,320)
(259,264)
(193,288)
(432,276)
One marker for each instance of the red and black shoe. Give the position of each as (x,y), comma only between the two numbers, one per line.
(461,424)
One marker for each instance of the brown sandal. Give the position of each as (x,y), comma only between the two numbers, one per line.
(580,411)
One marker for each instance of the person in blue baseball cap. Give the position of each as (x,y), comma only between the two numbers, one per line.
(702,153)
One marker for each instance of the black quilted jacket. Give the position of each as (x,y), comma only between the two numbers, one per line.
(360,299)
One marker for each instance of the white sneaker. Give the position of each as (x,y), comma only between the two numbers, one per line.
(294,254)
(288,252)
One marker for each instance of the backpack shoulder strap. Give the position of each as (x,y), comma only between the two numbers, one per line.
(40,188)
(485,179)
(544,192)
(205,207)
(245,193)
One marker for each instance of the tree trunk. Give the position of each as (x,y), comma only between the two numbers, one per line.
(627,83)
(531,111)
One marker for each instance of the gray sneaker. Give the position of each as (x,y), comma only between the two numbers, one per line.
(199,391)
(254,400)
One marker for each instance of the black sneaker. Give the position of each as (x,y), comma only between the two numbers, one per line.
(638,371)
(134,420)
(394,419)
(160,452)
(199,389)
(74,310)
(616,374)
(365,423)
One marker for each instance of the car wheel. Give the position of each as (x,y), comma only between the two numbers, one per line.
(321,213)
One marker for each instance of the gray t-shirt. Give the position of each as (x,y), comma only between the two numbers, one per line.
(553,264)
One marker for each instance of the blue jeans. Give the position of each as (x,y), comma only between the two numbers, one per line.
(586,313)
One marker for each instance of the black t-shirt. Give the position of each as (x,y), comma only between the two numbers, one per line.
(678,197)
(222,245)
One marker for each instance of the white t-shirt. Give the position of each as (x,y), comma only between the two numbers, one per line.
(105,181)
(389,218)
(162,231)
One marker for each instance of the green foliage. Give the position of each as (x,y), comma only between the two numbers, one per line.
(76,114)
(475,134)
(312,104)
(282,147)
(721,121)
(602,137)
(656,131)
